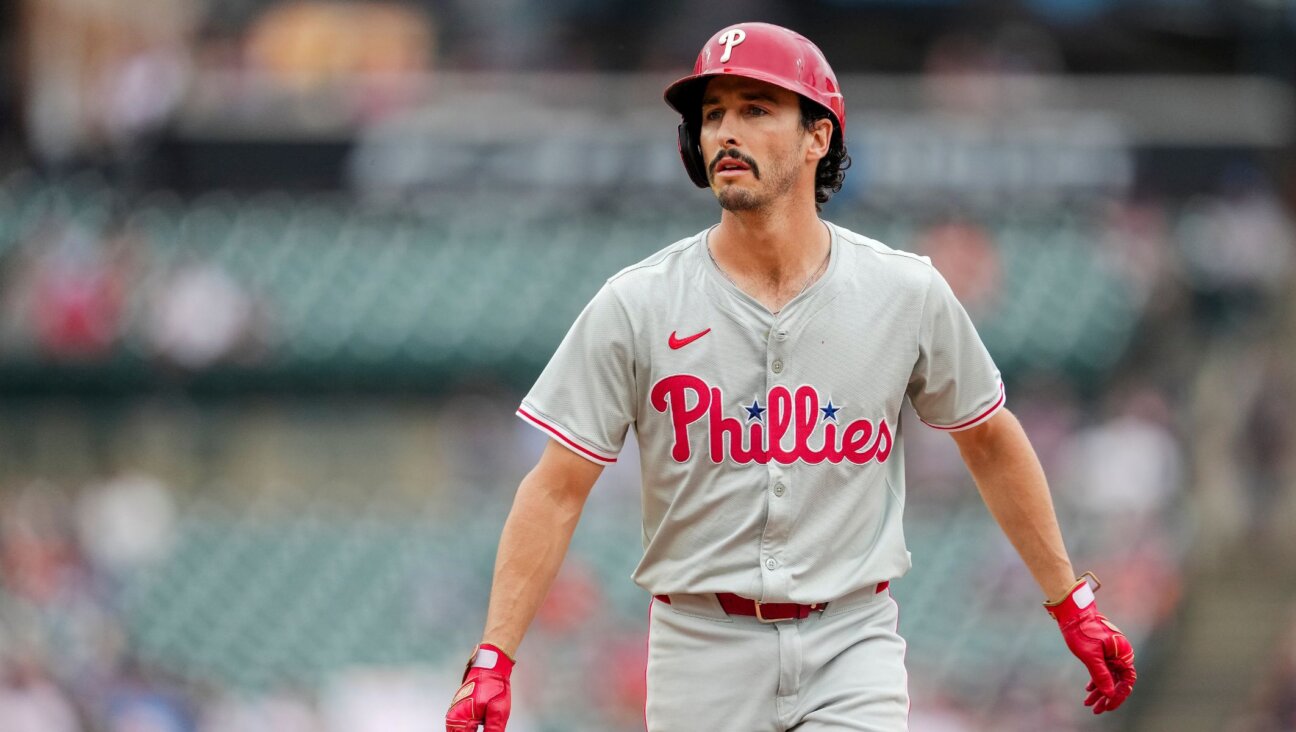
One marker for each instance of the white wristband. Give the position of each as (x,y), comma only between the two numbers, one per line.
(1083,596)
(486,658)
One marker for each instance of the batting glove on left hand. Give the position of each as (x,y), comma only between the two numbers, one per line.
(1101,646)
(485,697)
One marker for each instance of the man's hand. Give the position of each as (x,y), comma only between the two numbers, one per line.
(1101,646)
(485,697)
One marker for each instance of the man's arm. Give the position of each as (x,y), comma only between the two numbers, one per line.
(532,546)
(536,535)
(1012,484)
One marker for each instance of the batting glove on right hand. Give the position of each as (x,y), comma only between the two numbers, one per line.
(1101,646)
(485,697)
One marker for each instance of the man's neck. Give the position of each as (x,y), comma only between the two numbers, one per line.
(775,249)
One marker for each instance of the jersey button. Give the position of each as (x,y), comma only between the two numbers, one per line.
(777,367)
(780,335)
(771,563)
(778,489)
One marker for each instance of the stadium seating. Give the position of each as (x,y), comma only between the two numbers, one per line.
(489,281)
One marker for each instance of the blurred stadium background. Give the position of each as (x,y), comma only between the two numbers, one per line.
(274,274)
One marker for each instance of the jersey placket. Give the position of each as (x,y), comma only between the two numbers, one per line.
(780,505)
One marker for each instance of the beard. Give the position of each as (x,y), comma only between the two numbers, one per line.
(778,180)
(738,200)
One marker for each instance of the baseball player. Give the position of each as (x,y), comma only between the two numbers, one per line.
(763,364)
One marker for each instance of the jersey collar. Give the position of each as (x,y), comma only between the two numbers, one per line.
(749,305)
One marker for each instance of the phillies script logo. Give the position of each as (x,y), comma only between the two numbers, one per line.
(760,438)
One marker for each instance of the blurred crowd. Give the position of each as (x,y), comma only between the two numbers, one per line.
(1158,394)
(78,296)
(102,83)
(88,282)
(64,654)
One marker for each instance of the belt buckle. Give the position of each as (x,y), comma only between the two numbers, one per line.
(763,619)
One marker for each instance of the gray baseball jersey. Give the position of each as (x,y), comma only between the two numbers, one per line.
(770,445)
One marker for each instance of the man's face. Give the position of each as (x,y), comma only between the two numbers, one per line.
(752,140)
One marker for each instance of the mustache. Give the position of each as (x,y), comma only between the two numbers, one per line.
(733,153)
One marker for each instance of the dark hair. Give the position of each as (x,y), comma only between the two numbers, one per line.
(832,167)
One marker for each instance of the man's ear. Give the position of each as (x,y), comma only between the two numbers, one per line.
(820,139)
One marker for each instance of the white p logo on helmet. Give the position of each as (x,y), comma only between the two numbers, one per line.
(731,38)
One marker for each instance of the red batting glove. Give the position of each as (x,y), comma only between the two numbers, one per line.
(485,697)
(1101,646)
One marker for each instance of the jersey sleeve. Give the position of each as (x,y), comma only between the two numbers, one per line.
(584,397)
(955,384)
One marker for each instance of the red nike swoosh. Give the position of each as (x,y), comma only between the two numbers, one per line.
(681,342)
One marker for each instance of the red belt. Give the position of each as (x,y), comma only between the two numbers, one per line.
(767,612)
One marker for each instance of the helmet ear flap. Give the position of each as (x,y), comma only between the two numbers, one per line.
(690,149)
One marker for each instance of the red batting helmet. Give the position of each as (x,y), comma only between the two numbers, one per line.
(760,51)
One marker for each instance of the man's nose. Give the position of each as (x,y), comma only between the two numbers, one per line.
(727,131)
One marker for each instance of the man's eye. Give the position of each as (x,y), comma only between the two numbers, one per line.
(757,111)
(713,114)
